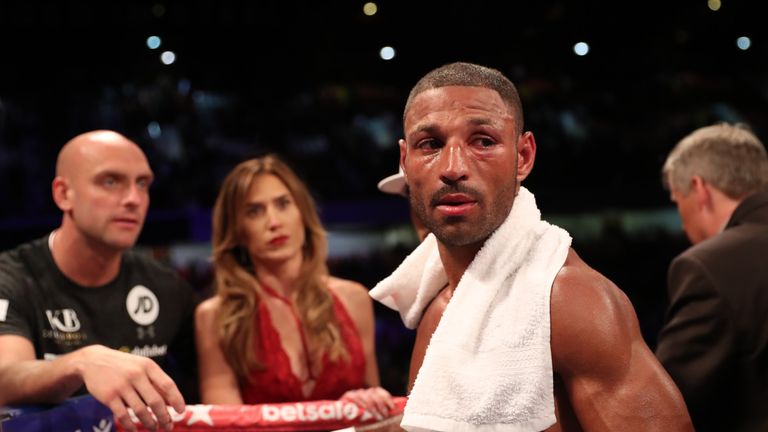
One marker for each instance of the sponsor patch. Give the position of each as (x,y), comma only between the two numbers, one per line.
(63,320)
(150,350)
(142,305)
(336,410)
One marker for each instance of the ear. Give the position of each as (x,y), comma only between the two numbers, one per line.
(701,188)
(526,155)
(62,193)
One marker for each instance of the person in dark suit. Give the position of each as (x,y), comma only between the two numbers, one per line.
(714,342)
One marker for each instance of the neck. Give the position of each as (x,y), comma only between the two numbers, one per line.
(722,210)
(281,276)
(456,259)
(83,261)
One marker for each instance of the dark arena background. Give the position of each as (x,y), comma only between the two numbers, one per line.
(608,88)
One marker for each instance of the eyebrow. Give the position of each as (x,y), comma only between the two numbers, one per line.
(120,174)
(273,199)
(431,128)
(480,121)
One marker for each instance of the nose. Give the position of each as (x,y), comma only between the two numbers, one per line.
(273,218)
(453,163)
(134,195)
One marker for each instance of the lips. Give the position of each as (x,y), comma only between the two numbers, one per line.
(454,199)
(278,241)
(126,221)
(455,204)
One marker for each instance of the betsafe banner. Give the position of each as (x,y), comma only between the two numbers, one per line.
(85,414)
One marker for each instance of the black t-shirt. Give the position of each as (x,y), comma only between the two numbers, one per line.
(146,310)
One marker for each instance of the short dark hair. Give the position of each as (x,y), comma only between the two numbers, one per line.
(470,75)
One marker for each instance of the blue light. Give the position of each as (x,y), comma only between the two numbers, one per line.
(153,42)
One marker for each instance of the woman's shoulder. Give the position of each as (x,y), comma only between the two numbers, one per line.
(353,293)
(208,308)
(354,297)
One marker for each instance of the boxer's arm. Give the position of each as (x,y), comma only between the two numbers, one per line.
(613,380)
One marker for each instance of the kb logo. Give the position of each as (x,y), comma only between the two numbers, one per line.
(64,320)
(142,305)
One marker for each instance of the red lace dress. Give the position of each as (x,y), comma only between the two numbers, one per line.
(277,382)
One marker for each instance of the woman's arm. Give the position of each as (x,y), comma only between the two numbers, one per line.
(218,382)
(359,305)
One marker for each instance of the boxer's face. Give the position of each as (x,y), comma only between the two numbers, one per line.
(463,160)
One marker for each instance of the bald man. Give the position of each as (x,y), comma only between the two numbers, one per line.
(79,311)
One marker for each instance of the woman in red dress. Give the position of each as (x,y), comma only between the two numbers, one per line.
(280,328)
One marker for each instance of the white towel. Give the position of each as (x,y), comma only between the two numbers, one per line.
(488,365)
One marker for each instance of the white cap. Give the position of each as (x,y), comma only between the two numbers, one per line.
(394,184)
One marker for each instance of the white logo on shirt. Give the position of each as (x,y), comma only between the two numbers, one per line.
(3,309)
(105,425)
(63,320)
(142,305)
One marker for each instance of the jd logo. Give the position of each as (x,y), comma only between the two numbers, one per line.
(64,320)
(142,305)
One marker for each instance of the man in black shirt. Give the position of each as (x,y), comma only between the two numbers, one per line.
(79,309)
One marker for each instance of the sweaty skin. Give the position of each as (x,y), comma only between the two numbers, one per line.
(464,158)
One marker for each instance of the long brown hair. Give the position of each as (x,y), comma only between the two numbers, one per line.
(236,285)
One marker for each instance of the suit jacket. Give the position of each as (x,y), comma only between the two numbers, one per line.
(715,340)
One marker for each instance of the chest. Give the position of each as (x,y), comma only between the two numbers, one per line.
(282,323)
(288,373)
(432,316)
